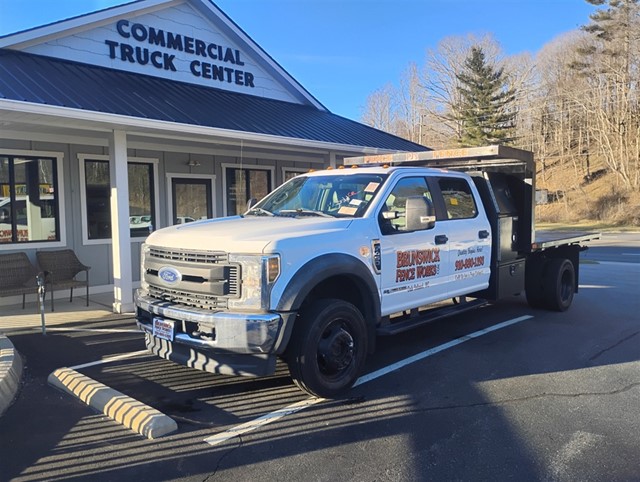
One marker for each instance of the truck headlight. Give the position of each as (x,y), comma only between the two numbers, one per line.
(144,251)
(259,273)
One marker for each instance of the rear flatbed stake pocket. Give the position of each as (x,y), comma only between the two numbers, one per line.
(317,269)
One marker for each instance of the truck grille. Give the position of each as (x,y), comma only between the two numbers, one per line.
(208,280)
(197,300)
(207,257)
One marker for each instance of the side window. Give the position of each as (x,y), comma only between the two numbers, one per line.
(392,217)
(458,199)
(28,199)
(97,191)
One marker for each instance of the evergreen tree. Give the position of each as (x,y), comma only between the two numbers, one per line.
(486,111)
(614,30)
(609,62)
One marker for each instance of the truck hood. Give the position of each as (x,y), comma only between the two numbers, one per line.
(239,234)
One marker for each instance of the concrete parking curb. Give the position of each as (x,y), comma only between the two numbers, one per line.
(123,409)
(10,373)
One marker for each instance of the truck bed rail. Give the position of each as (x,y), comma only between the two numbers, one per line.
(551,239)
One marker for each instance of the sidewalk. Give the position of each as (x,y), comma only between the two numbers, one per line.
(14,320)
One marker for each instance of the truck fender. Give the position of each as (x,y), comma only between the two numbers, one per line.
(314,272)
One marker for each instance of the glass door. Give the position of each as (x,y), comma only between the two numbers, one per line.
(191,199)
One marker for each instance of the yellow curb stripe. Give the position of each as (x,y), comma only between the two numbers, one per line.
(10,373)
(125,410)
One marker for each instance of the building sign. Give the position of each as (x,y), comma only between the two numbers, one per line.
(146,45)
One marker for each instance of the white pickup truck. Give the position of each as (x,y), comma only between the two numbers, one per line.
(329,260)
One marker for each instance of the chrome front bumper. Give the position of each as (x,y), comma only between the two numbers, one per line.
(229,332)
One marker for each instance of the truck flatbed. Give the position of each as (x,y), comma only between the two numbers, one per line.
(549,239)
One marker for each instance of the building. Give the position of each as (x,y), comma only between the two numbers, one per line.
(152,113)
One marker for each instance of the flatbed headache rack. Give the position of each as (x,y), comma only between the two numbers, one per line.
(517,163)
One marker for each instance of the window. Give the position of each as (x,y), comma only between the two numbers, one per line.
(191,199)
(458,198)
(29,204)
(243,184)
(291,172)
(97,191)
(392,217)
(335,195)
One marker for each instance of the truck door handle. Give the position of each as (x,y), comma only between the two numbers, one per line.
(484,234)
(441,239)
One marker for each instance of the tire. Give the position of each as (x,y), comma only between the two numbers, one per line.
(328,348)
(559,284)
(533,283)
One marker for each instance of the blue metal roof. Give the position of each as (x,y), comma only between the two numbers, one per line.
(44,80)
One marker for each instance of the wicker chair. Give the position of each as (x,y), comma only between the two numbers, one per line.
(61,268)
(17,275)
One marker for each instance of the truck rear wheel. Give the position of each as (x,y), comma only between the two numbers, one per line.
(328,348)
(558,284)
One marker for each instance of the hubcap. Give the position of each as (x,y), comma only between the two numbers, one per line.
(335,349)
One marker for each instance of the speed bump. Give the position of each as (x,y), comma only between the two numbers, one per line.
(123,409)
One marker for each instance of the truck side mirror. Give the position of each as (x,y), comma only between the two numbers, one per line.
(251,202)
(419,213)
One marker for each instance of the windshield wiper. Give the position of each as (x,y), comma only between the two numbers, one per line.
(305,212)
(259,212)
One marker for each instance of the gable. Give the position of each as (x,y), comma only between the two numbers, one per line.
(176,42)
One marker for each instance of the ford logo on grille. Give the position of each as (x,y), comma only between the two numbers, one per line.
(169,275)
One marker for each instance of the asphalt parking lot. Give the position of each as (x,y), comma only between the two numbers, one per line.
(532,395)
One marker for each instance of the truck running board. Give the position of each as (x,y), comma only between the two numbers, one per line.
(418,318)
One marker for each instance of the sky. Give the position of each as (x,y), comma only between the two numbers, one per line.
(342,51)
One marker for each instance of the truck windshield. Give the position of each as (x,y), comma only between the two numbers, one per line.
(346,195)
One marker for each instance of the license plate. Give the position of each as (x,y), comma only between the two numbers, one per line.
(163,329)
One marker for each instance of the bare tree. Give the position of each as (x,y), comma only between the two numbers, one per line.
(610,62)
(411,101)
(379,111)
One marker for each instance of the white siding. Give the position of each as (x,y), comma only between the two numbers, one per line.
(89,47)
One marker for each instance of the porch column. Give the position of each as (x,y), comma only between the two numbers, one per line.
(332,159)
(120,233)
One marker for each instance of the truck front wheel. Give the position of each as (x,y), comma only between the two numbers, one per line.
(558,284)
(328,348)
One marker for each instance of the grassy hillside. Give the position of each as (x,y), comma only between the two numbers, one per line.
(600,200)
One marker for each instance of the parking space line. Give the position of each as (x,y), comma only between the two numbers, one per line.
(432,351)
(96,330)
(261,421)
(618,263)
(298,406)
(111,359)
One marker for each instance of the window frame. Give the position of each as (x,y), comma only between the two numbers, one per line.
(258,167)
(296,170)
(58,158)
(183,175)
(82,158)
